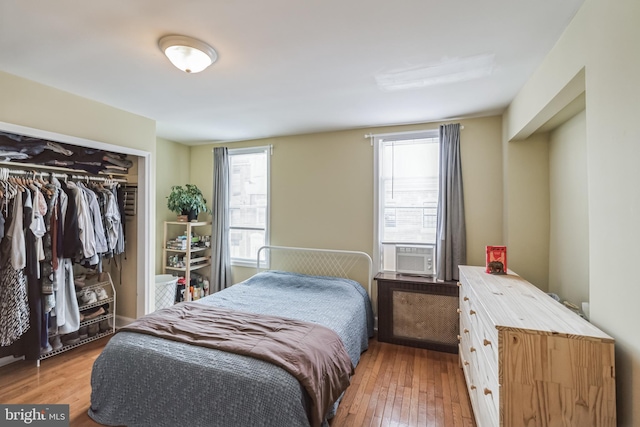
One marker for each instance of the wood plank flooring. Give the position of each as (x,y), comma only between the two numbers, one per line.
(393,386)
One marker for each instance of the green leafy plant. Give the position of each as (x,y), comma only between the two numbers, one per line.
(183,200)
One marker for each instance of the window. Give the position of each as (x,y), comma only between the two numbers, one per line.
(248,203)
(406,189)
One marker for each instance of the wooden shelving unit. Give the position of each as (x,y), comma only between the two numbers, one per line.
(195,258)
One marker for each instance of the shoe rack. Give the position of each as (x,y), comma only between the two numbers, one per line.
(89,317)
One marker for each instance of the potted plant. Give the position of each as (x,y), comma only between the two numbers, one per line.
(187,200)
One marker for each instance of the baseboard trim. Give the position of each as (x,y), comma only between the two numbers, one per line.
(4,361)
(123,321)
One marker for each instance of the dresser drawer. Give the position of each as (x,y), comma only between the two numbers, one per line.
(480,324)
(484,407)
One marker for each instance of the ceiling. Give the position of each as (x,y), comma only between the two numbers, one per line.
(285,67)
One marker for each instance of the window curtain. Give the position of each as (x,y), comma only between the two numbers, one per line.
(220,254)
(451,244)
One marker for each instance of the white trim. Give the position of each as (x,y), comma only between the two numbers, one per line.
(8,360)
(376,208)
(146,235)
(122,321)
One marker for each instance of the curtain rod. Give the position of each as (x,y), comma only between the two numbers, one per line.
(382,135)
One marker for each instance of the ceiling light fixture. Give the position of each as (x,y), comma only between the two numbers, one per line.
(188,54)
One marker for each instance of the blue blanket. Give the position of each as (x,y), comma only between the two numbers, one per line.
(141,380)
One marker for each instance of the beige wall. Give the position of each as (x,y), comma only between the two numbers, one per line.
(32,105)
(527,208)
(172,168)
(603,39)
(322,187)
(569,219)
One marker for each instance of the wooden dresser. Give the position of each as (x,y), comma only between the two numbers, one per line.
(528,361)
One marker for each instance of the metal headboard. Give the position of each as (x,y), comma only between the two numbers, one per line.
(352,265)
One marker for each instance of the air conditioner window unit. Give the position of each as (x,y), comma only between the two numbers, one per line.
(417,260)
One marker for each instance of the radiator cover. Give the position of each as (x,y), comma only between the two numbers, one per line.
(418,312)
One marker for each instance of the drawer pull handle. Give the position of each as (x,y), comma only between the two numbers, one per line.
(466,298)
(472,387)
(459,284)
(458,310)
(466,331)
(471,312)
(472,349)
(487,391)
(459,338)
(486,342)
(466,363)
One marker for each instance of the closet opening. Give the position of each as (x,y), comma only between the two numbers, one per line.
(131,275)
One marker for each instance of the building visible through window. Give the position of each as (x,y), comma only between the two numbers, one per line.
(407,192)
(248,203)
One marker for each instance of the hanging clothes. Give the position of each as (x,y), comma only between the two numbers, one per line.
(44,228)
(14,304)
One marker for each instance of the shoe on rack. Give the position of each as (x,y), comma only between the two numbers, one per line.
(83,332)
(70,339)
(47,349)
(79,281)
(99,312)
(105,326)
(88,297)
(94,329)
(101,293)
(55,342)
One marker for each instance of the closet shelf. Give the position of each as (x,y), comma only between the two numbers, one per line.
(79,173)
(89,322)
(96,304)
(78,344)
(193,267)
(184,251)
(97,319)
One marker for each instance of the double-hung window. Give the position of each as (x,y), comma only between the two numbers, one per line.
(406,193)
(248,203)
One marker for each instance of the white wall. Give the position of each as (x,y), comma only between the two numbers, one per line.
(526,201)
(569,221)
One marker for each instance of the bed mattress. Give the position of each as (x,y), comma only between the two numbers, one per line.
(141,380)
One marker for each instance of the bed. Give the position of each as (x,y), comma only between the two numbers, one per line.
(144,380)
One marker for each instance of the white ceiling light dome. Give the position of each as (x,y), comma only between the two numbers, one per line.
(186,53)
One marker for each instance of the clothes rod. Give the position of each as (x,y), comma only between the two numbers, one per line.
(384,135)
(64,176)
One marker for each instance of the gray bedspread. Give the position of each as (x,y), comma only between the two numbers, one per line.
(141,380)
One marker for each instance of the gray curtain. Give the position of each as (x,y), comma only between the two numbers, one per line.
(451,240)
(220,255)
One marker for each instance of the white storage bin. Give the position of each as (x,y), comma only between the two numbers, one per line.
(165,290)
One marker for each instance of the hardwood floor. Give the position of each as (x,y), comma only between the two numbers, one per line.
(393,386)
(404,386)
